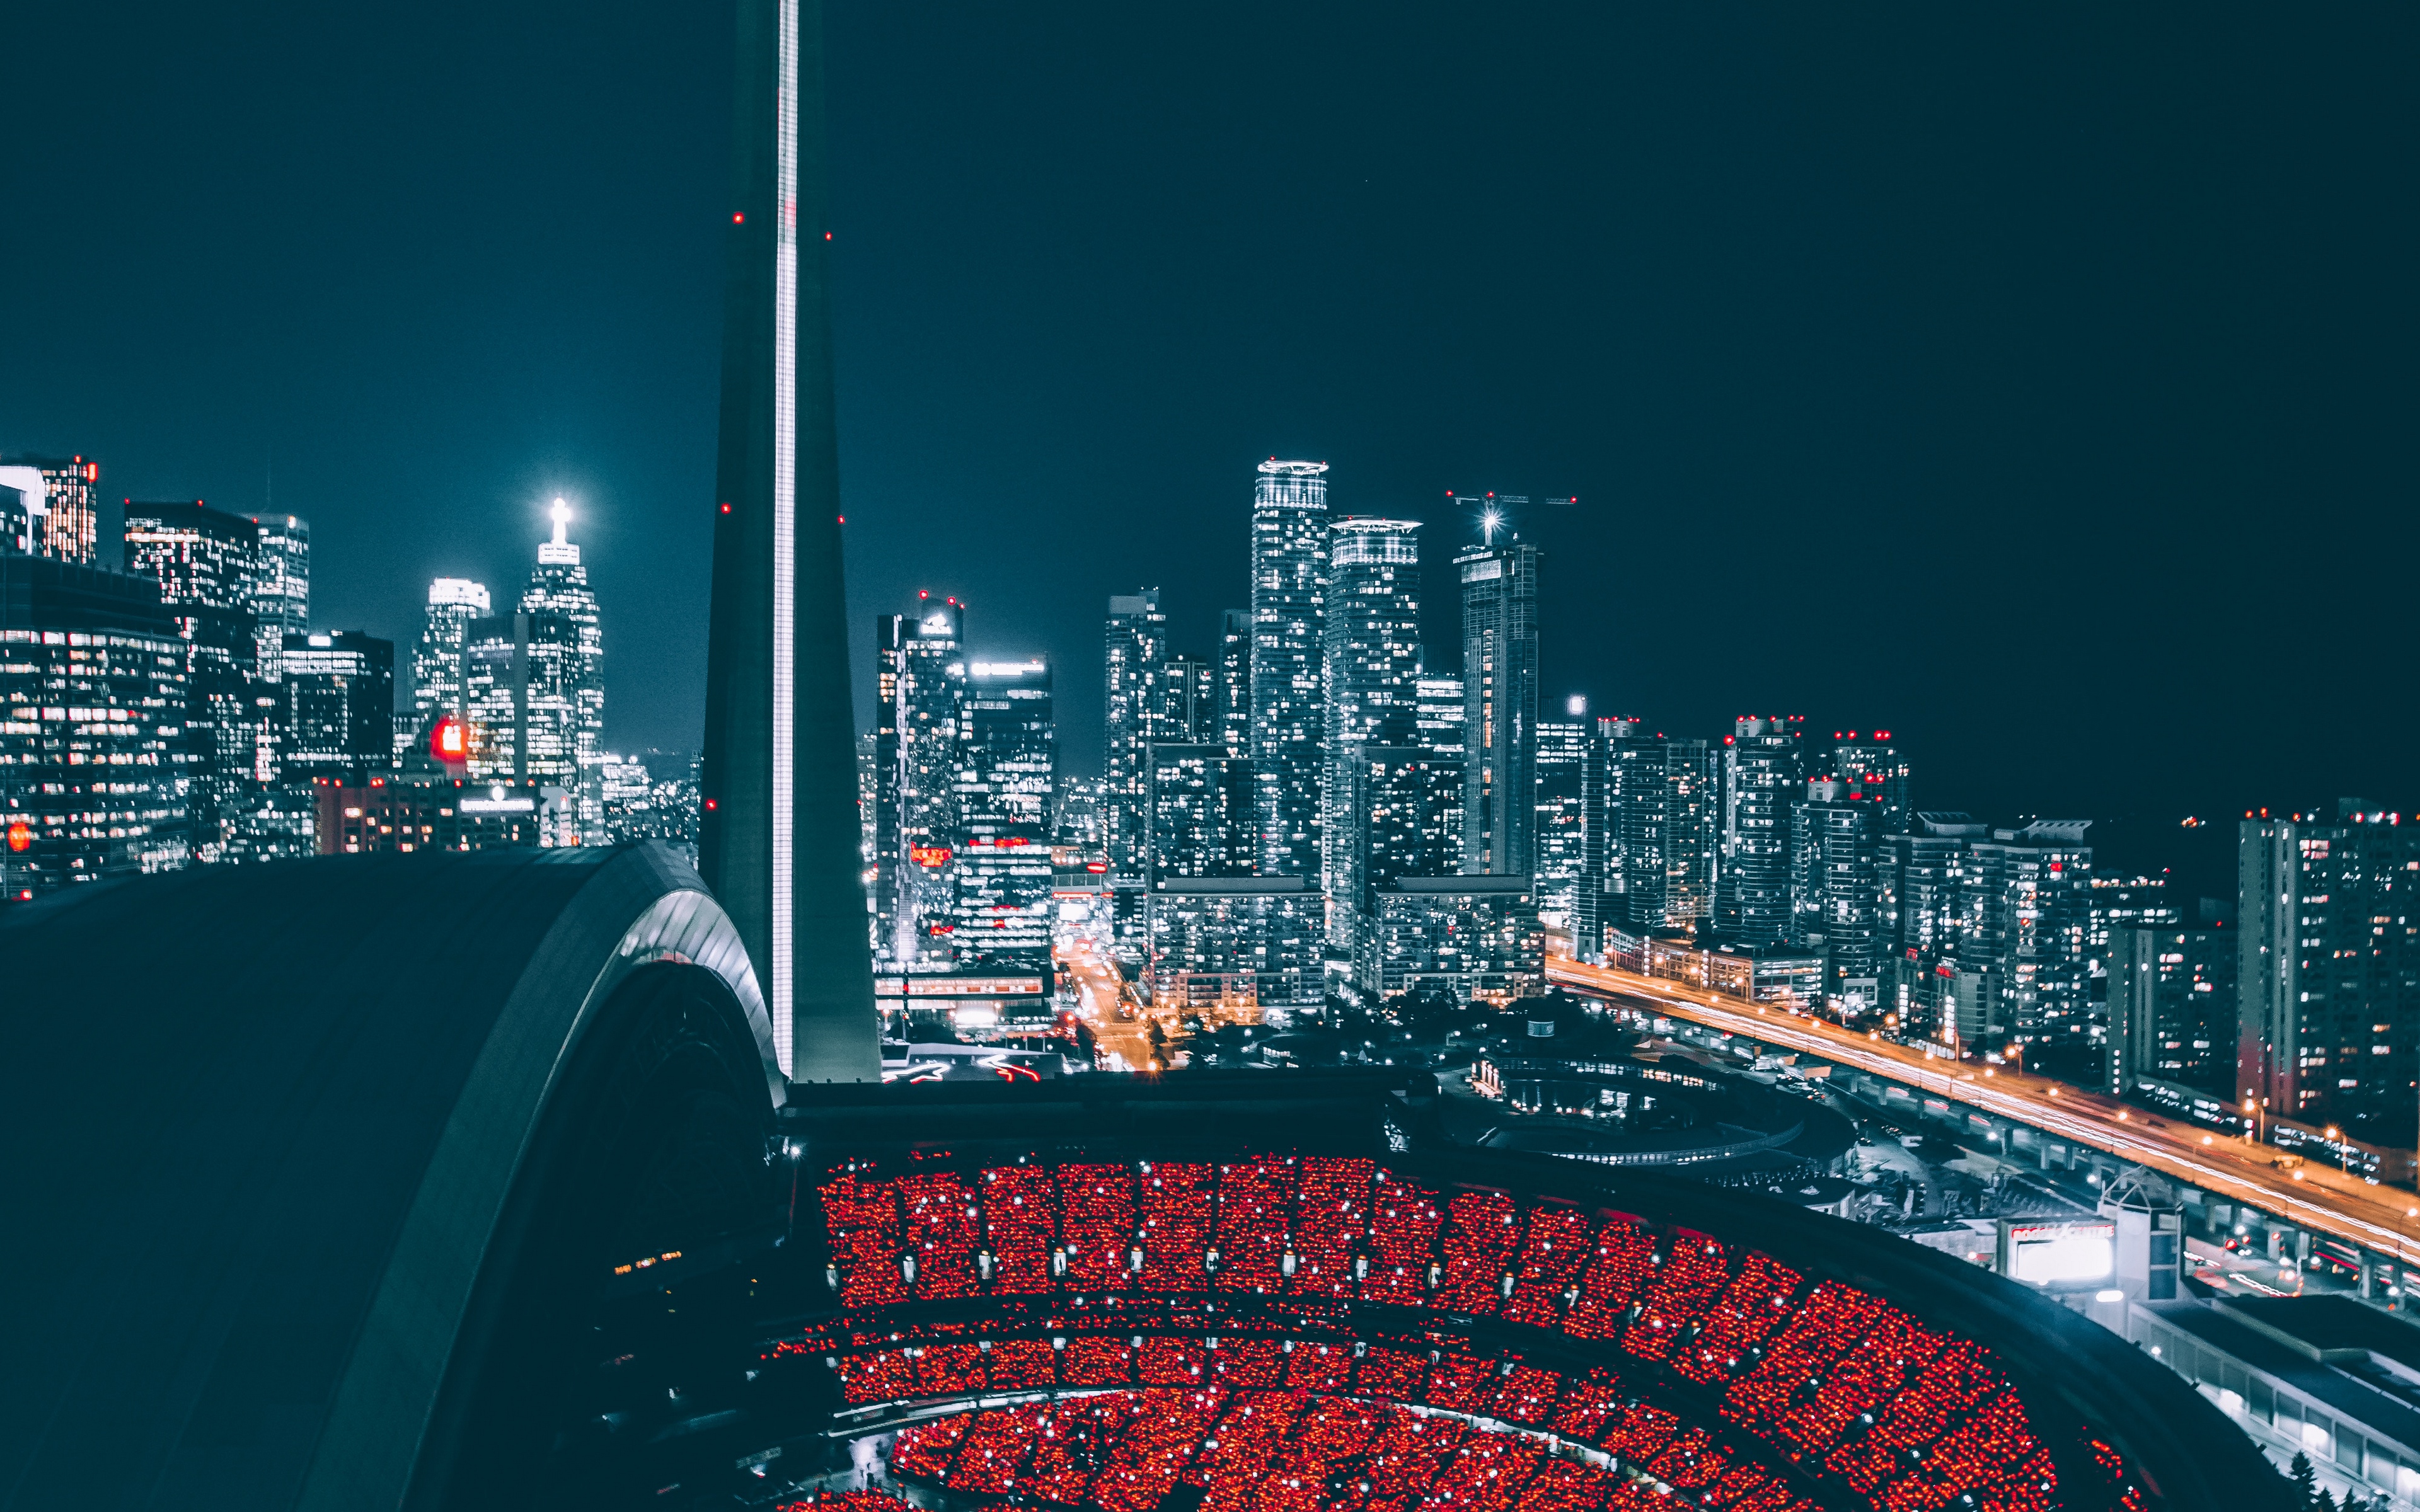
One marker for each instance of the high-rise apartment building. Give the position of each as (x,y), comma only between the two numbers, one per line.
(1246,946)
(1290,567)
(1201,812)
(1000,863)
(1499,694)
(1667,802)
(567,692)
(2026,898)
(932,720)
(889,633)
(439,662)
(281,596)
(1835,893)
(1235,679)
(93,671)
(2328,967)
(1370,665)
(206,566)
(2172,1007)
(1181,702)
(1764,770)
(1564,748)
(1135,643)
(1438,716)
(1474,939)
(1924,884)
(340,706)
(1873,771)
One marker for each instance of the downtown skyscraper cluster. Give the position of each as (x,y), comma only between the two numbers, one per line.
(955,787)
(1308,812)
(181,708)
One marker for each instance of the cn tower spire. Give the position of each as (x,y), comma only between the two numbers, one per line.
(777,839)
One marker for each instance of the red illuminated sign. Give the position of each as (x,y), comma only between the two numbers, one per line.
(449,741)
(20,836)
(929,856)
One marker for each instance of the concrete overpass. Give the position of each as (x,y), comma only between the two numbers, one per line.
(2379,1221)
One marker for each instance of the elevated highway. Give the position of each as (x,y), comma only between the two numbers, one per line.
(2378,1220)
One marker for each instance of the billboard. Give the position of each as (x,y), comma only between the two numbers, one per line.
(2069,1254)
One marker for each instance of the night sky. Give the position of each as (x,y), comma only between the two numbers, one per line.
(2038,386)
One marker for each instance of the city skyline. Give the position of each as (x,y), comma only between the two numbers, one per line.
(1977,366)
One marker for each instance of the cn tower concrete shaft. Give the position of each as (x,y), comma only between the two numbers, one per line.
(778,836)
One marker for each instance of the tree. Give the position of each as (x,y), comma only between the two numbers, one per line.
(2307,1481)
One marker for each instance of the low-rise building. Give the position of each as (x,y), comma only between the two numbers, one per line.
(437,813)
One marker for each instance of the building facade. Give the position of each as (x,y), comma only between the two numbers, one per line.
(1235,679)
(439,662)
(2328,967)
(206,564)
(1135,646)
(1202,813)
(1500,697)
(1371,656)
(1290,568)
(281,602)
(1873,771)
(93,674)
(1834,895)
(882,792)
(1248,947)
(931,717)
(567,687)
(339,706)
(1476,938)
(999,864)
(1566,750)
(1666,804)
(1764,768)
(58,516)
(2172,1007)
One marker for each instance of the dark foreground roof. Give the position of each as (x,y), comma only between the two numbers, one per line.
(259,1125)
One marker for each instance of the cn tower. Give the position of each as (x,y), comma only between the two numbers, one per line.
(778,836)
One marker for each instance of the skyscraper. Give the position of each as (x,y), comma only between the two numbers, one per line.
(1666,810)
(1201,812)
(777,839)
(281,600)
(206,566)
(1835,894)
(1764,770)
(1499,692)
(1000,863)
(92,790)
(1371,666)
(1235,679)
(569,701)
(1289,611)
(1564,750)
(1179,702)
(2329,968)
(437,660)
(1135,643)
(340,706)
(1875,772)
(56,511)
(2026,899)
(1438,716)
(889,633)
(932,712)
